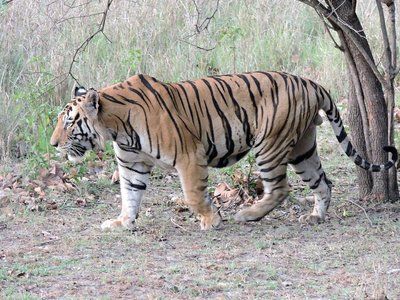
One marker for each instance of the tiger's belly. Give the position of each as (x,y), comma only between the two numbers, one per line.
(228,147)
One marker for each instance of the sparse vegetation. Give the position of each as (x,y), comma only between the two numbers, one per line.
(51,246)
(139,37)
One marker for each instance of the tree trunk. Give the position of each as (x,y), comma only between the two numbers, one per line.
(374,100)
(364,177)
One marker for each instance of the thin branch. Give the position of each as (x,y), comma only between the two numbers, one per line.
(328,29)
(83,46)
(197,46)
(200,27)
(178,225)
(204,25)
(79,5)
(392,37)
(387,51)
(79,17)
(350,33)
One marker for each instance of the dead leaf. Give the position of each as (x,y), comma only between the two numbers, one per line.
(239,178)
(225,196)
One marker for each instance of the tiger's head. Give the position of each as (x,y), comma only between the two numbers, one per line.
(76,130)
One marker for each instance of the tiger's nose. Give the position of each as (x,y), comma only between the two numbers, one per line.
(54,143)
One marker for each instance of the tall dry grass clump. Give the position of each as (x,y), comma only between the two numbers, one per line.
(38,40)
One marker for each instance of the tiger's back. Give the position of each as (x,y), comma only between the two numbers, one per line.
(229,114)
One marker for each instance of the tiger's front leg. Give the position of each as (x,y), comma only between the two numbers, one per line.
(133,182)
(194,178)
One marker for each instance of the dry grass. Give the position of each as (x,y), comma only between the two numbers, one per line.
(39,38)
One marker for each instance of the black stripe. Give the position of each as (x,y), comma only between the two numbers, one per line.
(358,160)
(141,186)
(257,85)
(304,156)
(376,168)
(111,99)
(252,98)
(141,96)
(276,178)
(227,128)
(316,184)
(196,91)
(342,135)
(135,170)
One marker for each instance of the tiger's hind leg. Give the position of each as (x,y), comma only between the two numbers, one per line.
(306,163)
(273,167)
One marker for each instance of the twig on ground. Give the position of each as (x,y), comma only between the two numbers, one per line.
(179,226)
(363,209)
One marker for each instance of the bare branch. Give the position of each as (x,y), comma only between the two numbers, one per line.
(200,26)
(328,29)
(392,36)
(83,46)
(204,25)
(197,46)
(79,17)
(351,34)
(386,50)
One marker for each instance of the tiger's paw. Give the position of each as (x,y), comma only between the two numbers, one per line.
(112,224)
(249,214)
(211,221)
(311,219)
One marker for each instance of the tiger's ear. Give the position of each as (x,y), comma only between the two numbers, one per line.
(91,103)
(78,91)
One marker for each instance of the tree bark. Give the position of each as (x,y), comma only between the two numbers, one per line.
(373,98)
(364,177)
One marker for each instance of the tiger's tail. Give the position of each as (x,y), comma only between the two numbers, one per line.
(334,118)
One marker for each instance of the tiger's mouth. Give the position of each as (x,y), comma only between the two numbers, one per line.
(73,152)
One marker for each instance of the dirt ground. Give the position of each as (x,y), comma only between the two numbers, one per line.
(61,253)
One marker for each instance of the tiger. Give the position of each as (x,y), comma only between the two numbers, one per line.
(209,122)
